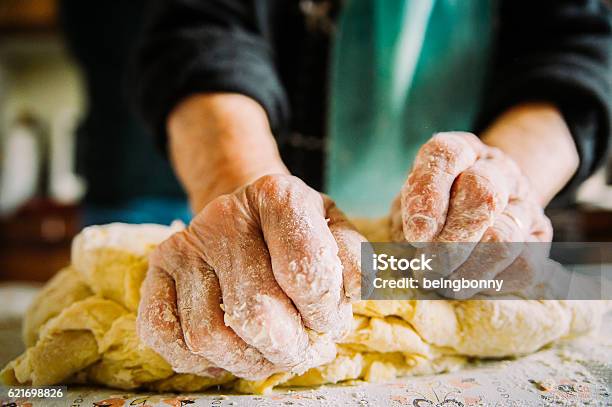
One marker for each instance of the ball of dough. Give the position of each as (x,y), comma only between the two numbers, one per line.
(81,327)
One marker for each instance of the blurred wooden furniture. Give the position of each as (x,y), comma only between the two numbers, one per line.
(18,16)
(35,242)
(581,225)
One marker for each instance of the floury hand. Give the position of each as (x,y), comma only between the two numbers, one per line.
(471,204)
(261,282)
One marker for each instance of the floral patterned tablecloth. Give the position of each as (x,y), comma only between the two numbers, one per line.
(577,372)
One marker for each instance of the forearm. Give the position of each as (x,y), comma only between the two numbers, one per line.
(219,142)
(537,138)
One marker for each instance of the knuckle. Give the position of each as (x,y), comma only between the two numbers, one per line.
(283,193)
(170,252)
(452,136)
(454,140)
(481,190)
(314,277)
(270,190)
(265,182)
(274,183)
(439,146)
(222,205)
(213,216)
(156,258)
(170,244)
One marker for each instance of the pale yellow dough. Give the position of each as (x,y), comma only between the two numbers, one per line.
(81,327)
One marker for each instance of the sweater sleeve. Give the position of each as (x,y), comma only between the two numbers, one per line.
(192,46)
(557,51)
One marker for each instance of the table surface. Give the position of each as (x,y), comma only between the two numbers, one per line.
(577,372)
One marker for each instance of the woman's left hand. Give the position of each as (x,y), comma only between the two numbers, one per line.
(461,190)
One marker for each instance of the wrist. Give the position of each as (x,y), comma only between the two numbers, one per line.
(220,142)
(226,179)
(537,138)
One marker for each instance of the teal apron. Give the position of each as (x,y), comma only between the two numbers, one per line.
(402,70)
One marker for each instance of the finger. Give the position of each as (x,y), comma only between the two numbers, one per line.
(201,316)
(425,196)
(531,267)
(159,328)
(486,261)
(479,194)
(349,242)
(524,220)
(255,306)
(516,278)
(522,273)
(498,248)
(303,250)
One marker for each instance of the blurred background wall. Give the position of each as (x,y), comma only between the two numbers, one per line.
(41,102)
(72,151)
(43,105)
